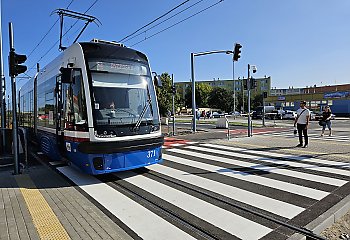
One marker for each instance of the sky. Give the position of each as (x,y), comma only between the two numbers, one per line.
(298,43)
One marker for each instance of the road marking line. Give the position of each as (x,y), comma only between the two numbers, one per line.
(276,184)
(295,150)
(272,205)
(45,221)
(142,221)
(280,155)
(221,218)
(271,160)
(286,172)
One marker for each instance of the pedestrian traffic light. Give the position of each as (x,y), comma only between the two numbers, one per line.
(14,63)
(253,83)
(237,52)
(265,95)
(173,89)
(245,84)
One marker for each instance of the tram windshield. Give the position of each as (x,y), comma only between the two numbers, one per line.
(123,94)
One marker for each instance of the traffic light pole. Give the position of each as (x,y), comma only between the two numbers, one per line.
(14,110)
(193,95)
(234,89)
(248,90)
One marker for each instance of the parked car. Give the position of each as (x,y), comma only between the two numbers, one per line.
(217,115)
(289,115)
(258,113)
(276,114)
(235,113)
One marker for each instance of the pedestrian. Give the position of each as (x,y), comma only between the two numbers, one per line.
(326,118)
(302,123)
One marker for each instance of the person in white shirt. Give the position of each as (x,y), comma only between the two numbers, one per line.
(302,123)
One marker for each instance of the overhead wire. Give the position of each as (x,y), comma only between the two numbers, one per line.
(176,7)
(171,25)
(185,19)
(42,39)
(47,52)
(167,19)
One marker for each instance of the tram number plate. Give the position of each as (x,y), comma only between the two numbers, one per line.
(151,154)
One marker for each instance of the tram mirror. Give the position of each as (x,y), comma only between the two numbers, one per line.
(156,79)
(66,76)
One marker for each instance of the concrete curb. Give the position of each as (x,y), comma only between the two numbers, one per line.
(327,219)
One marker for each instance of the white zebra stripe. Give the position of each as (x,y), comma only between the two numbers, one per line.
(286,172)
(276,184)
(293,164)
(230,222)
(259,201)
(143,222)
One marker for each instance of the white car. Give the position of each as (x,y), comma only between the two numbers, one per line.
(289,115)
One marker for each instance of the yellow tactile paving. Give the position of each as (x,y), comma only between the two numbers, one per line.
(46,222)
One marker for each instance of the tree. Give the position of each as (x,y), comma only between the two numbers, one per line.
(221,98)
(240,101)
(203,91)
(164,94)
(257,101)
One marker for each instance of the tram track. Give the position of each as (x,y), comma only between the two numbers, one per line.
(196,229)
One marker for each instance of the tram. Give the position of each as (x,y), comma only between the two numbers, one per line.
(96,106)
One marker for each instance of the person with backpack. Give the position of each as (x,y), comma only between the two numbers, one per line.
(302,123)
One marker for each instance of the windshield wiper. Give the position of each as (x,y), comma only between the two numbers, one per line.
(148,103)
(138,123)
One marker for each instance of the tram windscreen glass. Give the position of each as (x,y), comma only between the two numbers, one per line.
(120,93)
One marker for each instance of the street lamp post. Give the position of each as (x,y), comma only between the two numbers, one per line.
(194,128)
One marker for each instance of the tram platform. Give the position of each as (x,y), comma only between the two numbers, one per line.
(41,204)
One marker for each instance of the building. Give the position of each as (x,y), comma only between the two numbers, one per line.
(336,96)
(263,85)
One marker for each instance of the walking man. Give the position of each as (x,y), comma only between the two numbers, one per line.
(302,123)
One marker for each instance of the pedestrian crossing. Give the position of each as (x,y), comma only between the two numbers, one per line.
(316,135)
(210,191)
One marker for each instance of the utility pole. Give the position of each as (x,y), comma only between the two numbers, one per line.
(2,89)
(174,92)
(248,89)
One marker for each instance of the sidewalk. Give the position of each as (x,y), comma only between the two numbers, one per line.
(40,204)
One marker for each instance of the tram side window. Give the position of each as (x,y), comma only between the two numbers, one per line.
(49,110)
(41,108)
(75,104)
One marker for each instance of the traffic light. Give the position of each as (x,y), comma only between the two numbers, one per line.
(253,83)
(245,84)
(237,52)
(265,95)
(173,89)
(14,63)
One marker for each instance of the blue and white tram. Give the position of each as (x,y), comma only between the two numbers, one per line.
(96,105)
